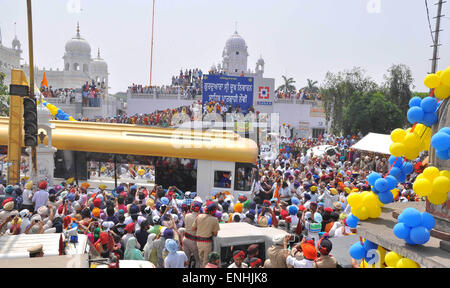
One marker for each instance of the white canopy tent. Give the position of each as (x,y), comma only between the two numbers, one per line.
(374,142)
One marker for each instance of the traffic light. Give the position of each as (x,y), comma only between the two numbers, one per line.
(30,125)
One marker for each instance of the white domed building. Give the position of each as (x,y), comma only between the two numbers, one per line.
(79,67)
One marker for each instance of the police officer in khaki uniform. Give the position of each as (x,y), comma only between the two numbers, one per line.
(206,226)
(325,260)
(36,251)
(190,240)
(276,253)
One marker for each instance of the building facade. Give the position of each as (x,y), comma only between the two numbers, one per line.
(79,68)
(307,118)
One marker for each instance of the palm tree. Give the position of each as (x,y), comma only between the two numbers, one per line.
(288,85)
(311,86)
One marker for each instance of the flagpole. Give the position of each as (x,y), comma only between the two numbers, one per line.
(151,53)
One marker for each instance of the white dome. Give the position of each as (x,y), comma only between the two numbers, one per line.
(235,42)
(98,64)
(78,46)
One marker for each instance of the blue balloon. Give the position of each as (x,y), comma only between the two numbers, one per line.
(369,245)
(386,197)
(373,177)
(443,154)
(407,168)
(357,251)
(381,184)
(415,114)
(419,235)
(409,241)
(401,230)
(445,130)
(395,171)
(401,178)
(410,217)
(352,221)
(440,141)
(429,119)
(427,220)
(374,190)
(398,163)
(392,182)
(415,101)
(429,104)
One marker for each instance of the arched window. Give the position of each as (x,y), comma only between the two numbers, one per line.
(67,67)
(76,67)
(85,68)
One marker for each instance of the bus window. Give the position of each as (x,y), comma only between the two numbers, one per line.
(244,176)
(222,179)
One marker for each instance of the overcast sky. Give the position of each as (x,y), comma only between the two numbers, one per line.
(298,38)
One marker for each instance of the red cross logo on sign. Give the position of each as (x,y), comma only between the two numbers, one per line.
(263,92)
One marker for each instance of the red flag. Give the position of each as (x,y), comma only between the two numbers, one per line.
(274,219)
(62,250)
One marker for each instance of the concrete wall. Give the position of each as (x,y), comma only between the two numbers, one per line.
(143,105)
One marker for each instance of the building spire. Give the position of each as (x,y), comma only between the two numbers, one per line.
(98,53)
(78,29)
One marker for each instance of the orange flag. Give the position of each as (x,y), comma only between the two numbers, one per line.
(44,81)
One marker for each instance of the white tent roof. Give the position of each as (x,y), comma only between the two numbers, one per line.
(374,142)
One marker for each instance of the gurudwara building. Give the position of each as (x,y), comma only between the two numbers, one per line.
(79,67)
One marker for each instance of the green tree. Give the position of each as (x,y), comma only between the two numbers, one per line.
(398,87)
(371,112)
(338,91)
(311,86)
(288,85)
(4,96)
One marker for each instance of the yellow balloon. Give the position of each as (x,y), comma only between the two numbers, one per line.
(391,259)
(369,200)
(382,253)
(407,263)
(438,73)
(442,92)
(398,135)
(432,81)
(354,200)
(441,184)
(423,187)
(395,192)
(431,172)
(361,212)
(374,211)
(397,149)
(437,198)
(411,140)
(445,173)
(412,153)
(445,77)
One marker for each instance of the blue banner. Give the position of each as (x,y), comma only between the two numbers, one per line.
(229,89)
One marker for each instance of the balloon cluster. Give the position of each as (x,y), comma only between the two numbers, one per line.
(394,260)
(364,205)
(423,111)
(409,143)
(377,262)
(440,82)
(414,227)
(383,186)
(433,184)
(57,113)
(441,142)
(400,168)
(366,250)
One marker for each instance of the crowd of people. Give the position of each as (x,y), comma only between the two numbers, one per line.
(92,93)
(299,192)
(188,84)
(66,95)
(299,95)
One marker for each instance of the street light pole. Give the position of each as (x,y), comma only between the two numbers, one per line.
(30,55)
